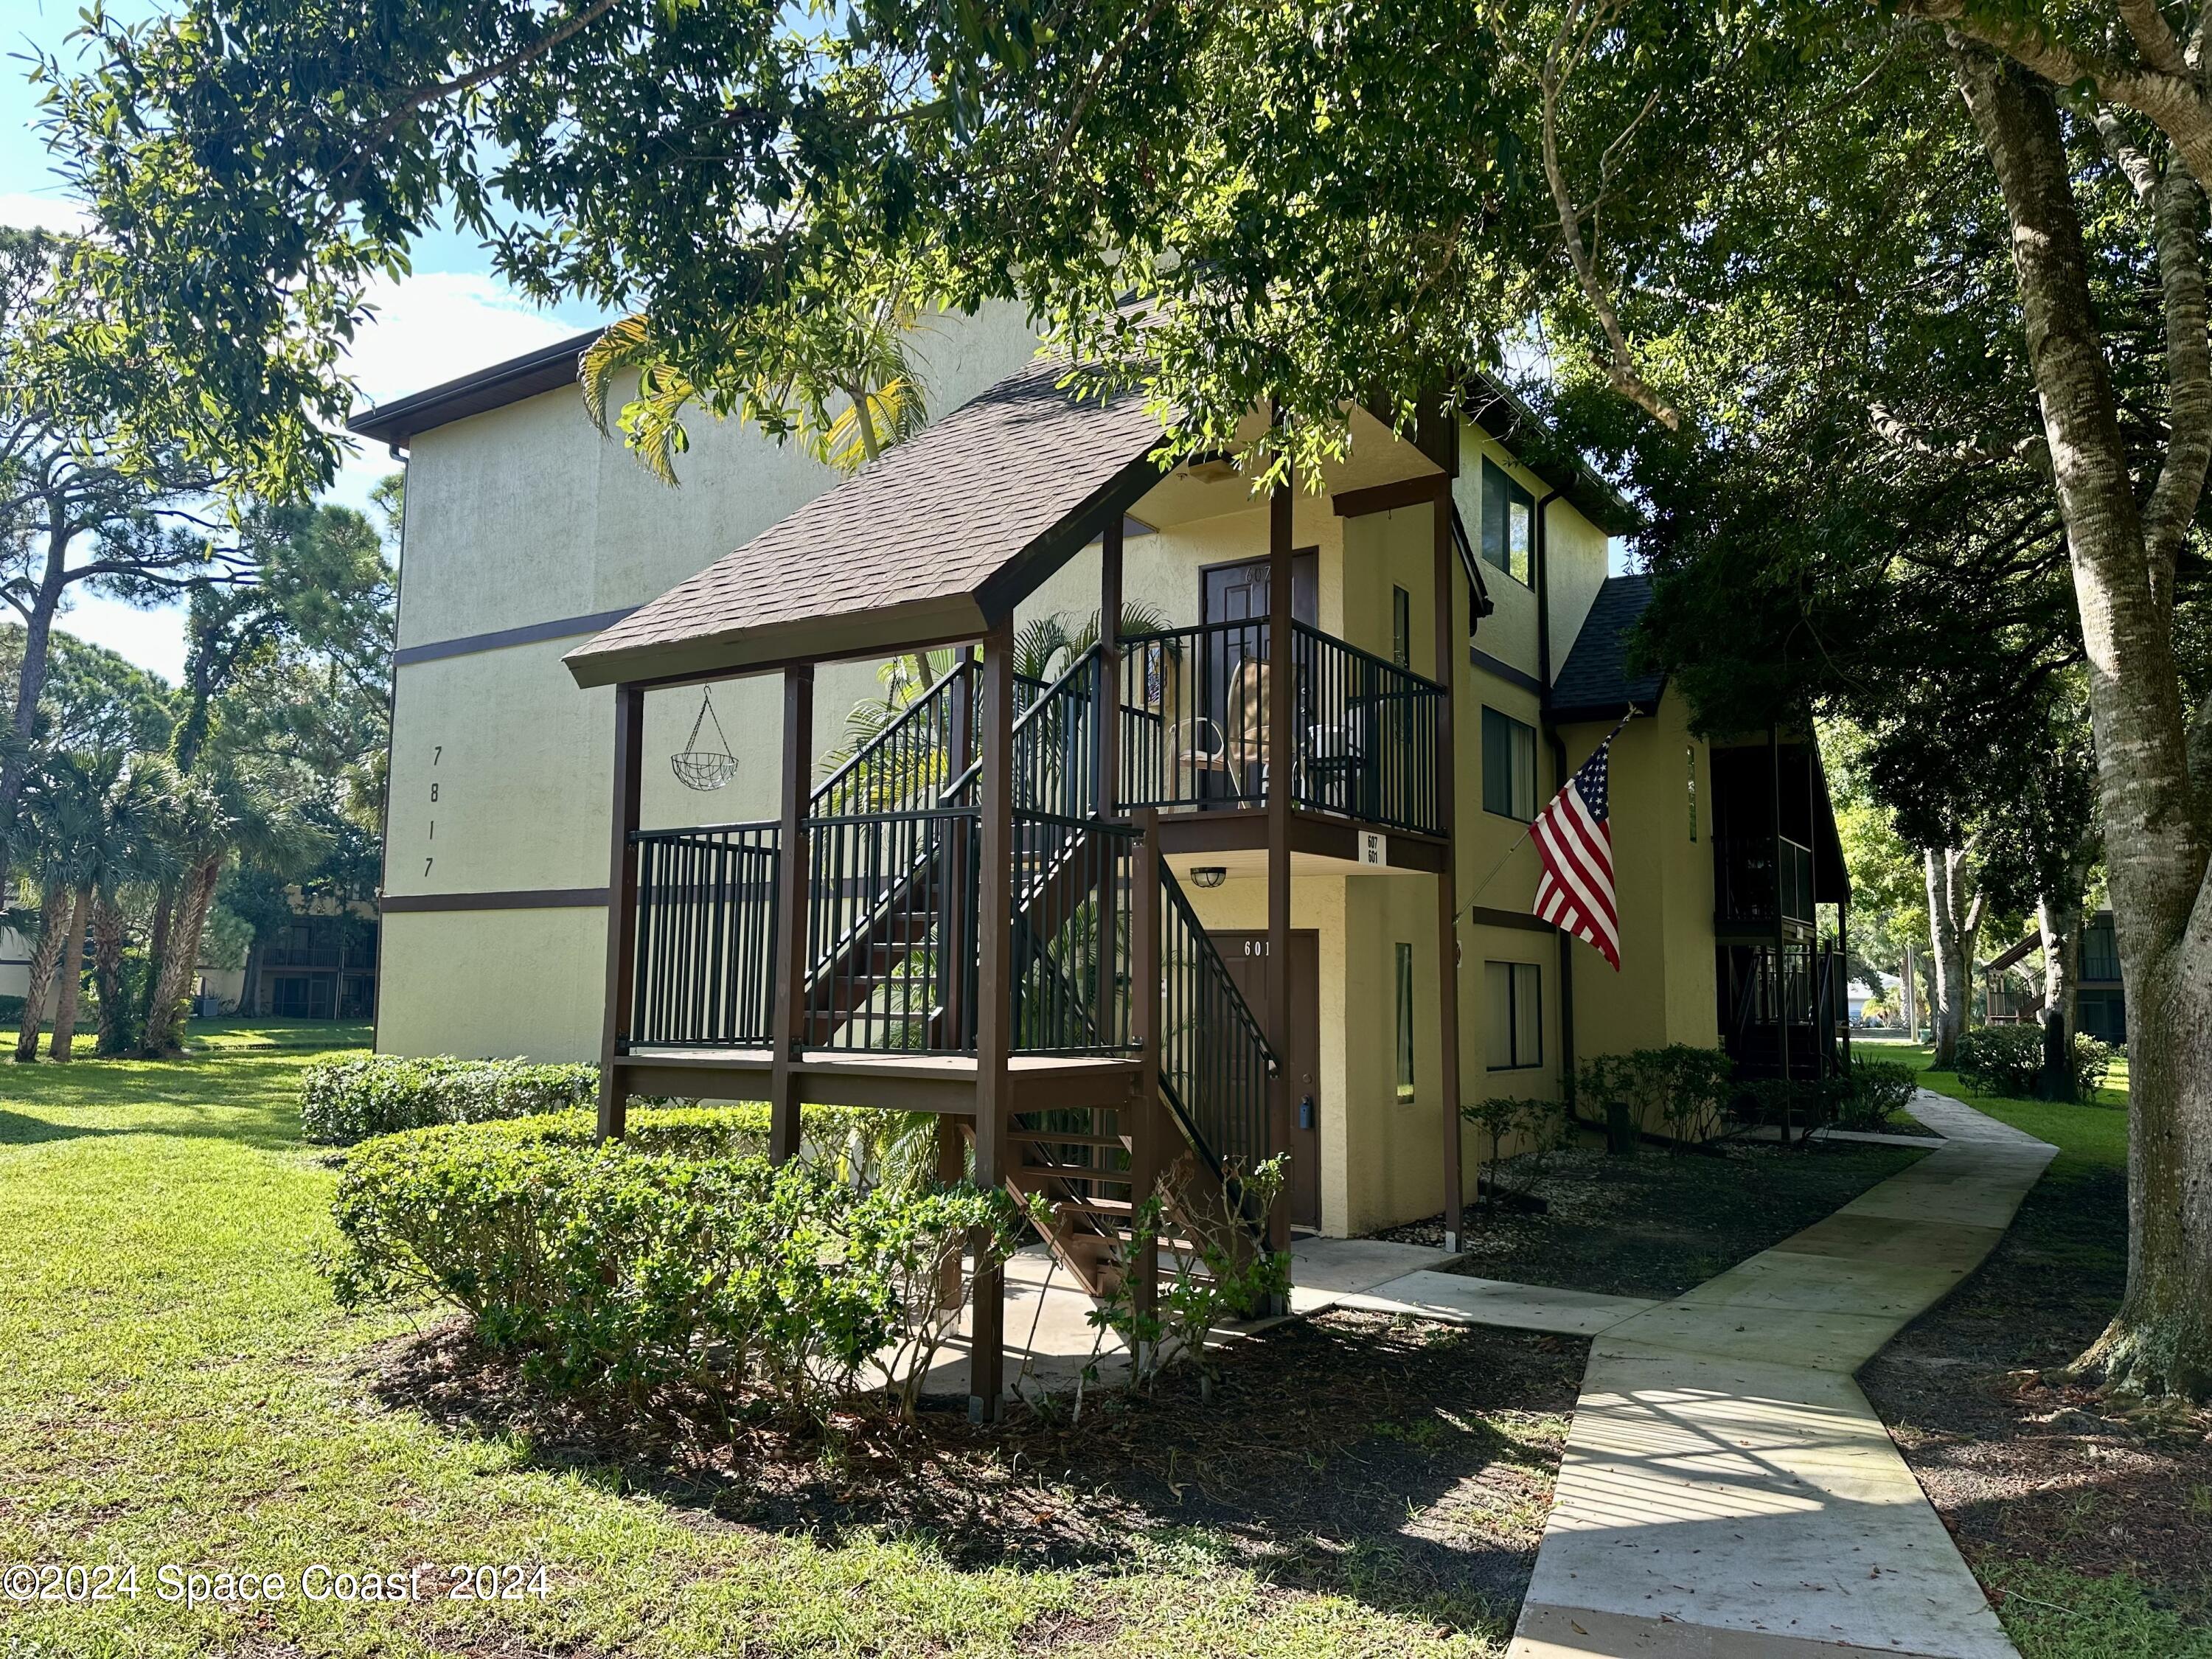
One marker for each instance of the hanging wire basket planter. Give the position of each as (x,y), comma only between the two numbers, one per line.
(704,768)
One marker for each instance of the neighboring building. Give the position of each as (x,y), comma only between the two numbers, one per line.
(323,966)
(1386,869)
(2101,1007)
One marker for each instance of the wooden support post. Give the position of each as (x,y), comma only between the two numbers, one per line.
(622,907)
(789,1019)
(1447,1082)
(986,1354)
(1148,1123)
(1282,671)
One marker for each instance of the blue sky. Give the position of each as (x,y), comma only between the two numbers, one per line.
(449,316)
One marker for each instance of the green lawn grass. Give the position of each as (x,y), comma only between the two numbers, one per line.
(2092,1132)
(176,1388)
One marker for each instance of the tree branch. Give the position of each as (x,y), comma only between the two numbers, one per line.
(2175,103)
(1622,371)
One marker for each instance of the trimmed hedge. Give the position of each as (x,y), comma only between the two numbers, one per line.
(1683,1088)
(343,1101)
(731,1130)
(2008,1059)
(1881,1089)
(710,1289)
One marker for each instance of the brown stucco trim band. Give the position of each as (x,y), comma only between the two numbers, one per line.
(1504,670)
(536,898)
(1481,916)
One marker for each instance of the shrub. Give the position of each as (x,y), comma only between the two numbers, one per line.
(2008,1059)
(736,1129)
(1543,1124)
(2092,1064)
(345,1101)
(709,1288)
(1881,1089)
(1217,1270)
(1686,1088)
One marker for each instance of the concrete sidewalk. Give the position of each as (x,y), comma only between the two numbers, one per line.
(1728,1493)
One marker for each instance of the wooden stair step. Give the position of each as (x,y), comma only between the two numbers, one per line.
(1075,1172)
(1062,1137)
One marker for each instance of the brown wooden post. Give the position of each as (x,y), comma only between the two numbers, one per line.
(1282,669)
(1148,1126)
(622,907)
(986,1354)
(1448,1082)
(788,1032)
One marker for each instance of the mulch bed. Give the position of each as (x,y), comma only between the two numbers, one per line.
(1408,1463)
(2024,1464)
(1660,1222)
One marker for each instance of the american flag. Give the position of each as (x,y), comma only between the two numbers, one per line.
(1574,842)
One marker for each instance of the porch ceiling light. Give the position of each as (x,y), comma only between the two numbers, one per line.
(1208,875)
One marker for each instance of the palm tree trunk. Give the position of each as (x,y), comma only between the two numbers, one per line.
(164,1036)
(44,955)
(107,972)
(72,971)
(157,949)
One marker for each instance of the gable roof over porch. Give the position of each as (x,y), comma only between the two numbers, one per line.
(937,541)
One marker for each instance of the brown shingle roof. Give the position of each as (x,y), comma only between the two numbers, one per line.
(938,540)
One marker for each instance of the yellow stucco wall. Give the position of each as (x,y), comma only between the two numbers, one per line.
(1663,882)
(501,768)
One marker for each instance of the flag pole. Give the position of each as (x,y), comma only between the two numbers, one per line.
(1530,828)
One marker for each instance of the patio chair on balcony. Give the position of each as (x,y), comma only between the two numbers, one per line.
(1336,761)
(1246,718)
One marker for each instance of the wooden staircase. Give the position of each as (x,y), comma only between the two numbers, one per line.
(1081,884)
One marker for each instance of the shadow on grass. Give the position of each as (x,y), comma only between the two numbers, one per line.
(239,1082)
(1408,1466)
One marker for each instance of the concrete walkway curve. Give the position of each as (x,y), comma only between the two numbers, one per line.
(1727,1492)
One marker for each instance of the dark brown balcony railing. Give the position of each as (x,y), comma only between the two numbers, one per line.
(1745,887)
(1194,711)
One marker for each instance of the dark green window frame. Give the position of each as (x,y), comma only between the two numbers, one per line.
(1514,994)
(1508,525)
(1404,954)
(1508,766)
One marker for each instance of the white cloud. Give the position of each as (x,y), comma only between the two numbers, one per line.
(154,640)
(430,328)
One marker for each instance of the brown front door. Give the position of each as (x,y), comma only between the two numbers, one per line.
(1247,956)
